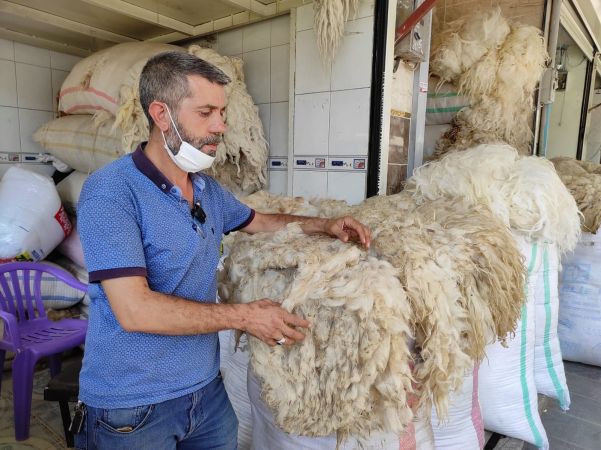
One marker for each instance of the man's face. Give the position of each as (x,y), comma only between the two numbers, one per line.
(200,119)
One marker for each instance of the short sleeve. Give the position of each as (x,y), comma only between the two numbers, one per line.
(236,215)
(110,238)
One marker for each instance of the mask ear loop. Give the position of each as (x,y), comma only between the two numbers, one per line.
(174,127)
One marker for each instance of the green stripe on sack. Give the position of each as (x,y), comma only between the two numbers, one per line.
(443,94)
(547,341)
(444,110)
(538,440)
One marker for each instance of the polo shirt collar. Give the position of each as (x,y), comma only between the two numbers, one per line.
(145,165)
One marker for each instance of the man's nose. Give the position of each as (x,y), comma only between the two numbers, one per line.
(218,126)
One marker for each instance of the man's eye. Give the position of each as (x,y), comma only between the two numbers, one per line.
(205,113)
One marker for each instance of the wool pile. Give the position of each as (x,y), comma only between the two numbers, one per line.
(450,266)
(351,374)
(583,180)
(525,193)
(497,64)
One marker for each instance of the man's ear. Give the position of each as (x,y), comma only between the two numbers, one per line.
(160,116)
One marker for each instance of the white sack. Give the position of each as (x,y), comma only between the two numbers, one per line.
(507,391)
(580,302)
(549,373)
(32,220)
(463,428)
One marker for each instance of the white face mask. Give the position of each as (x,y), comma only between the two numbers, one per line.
(189,158)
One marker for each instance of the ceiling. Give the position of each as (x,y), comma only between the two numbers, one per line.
(81,27)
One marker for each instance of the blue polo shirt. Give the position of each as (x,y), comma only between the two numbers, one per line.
(133,221)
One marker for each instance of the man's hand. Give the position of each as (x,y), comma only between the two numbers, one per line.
(346,228)
(267,321)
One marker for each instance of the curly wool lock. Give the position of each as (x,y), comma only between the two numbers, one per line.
(583,180)
(351,374)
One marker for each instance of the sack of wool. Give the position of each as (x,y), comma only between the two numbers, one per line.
(32,219)
(443,102)
(77,142)
(525,193)
(584,183)
(350,375)
(241,160)
(419,435)
(233,366)
(506,386)
(96,83)
(69,190)
(580,302)
(549,373)
(267,436)
(463,428)
(463,275)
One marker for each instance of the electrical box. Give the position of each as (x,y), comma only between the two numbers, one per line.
(411,48)
(548,85)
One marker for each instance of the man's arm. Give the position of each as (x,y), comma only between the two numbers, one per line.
(344,228)
(139,309)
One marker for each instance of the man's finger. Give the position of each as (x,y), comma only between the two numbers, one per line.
(292,334)
(297,321)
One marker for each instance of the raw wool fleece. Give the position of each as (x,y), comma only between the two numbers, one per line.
(329,19)
(353,367)
(265,202)
(497,64)
(525,193)
(241,160)
(463,275)
(583,180)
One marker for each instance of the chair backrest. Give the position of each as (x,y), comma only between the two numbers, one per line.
(20,288)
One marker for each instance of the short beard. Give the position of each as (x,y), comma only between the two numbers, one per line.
(173,140)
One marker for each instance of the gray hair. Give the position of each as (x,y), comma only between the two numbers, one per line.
(164,78)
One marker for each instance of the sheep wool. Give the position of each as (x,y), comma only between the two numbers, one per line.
(329,19)
(525,193)
(583,180)
(498,68)
(351,374)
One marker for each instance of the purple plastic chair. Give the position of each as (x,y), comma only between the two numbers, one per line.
(30,334)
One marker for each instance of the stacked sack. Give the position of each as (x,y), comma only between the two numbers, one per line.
(580,279)
(526,194)
(497,65)
(104,118)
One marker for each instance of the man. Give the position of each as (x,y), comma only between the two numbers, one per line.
(151,229)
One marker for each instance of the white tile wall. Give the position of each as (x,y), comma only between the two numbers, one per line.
(34,87)
(280,30)
(280,58)
(8,83)
(32,55)
(352,67)
(278,132)
(347,186)
(278,182)
(331,113)
(349,122)
(256,36)
(311,75)
(310,183)
(230,42)
(311,124)
(30,79)
(9,130)
(257,74)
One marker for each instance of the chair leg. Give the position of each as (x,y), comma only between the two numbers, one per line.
(55,364)
(66,417)
(2,356)
(23,367)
